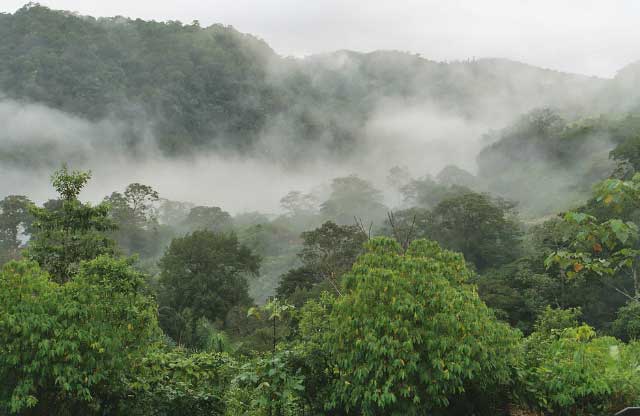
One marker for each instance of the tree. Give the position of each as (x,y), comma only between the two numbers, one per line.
(135,216)
(208,218)
(203,275)
(605,248)
(295,203)
(352,197)
(427,193)
(569,370)
(481,228)
(66,348)
(15,221)
(409,334)
(69,231)
(327,252)
(519,292)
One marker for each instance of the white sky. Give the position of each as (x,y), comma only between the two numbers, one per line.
(593,37)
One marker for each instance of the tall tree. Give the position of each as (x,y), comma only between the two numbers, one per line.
(327,253)
(69,231)
(482,228)
(203,275)
(135,216)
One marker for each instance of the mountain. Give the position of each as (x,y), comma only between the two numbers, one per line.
(191,87)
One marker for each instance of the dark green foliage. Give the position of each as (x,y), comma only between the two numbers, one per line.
(327,253)
(627,324)
(481,228)
(203,274)
(301,278)
(69,231)
(519,291)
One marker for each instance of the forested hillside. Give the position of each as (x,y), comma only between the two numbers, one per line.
(446,239)
(204,87)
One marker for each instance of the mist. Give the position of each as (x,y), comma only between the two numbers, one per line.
(418,136)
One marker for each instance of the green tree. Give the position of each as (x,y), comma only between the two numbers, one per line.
(203,275)
(208,218)
(483,229)
(66,348)
(134,214)
(71,231)
(409,334)
(605,248)
(327,253)
(569,370)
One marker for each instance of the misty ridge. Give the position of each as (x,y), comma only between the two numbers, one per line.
(169,104)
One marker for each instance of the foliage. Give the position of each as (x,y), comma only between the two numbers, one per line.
(203,275)
(571,371)
(274,311)
(627,324)
(410,333)
(518,292)
(135,216)
(604,248)
(266,385)
(481,228)
(66,348)
(70,232)
(177,382)
(208,218)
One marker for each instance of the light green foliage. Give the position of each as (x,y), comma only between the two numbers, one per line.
(266,386)
(571,371)
(275,310)
(410,333)
(176,382)
(605,248)
(70,232)
(65,348)
(203,274)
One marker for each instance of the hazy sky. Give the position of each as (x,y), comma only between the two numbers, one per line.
(584,36)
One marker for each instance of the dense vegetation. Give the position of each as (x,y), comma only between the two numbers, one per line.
(515,291)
